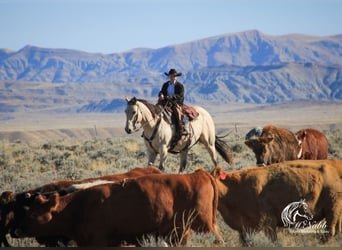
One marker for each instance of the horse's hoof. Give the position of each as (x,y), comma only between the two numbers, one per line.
(161,168)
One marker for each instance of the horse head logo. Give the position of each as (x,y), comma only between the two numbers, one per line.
(295,212)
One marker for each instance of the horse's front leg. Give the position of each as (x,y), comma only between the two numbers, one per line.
(163,156)
(183,160)
(152,155)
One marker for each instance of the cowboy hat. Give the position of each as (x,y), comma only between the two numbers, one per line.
(173,72)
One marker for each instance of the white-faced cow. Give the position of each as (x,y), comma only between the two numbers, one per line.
(313,144)
(254,199)
(273,145)
(168,205)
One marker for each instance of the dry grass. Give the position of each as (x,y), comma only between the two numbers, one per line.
(27,165)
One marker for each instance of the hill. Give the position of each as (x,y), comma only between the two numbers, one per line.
(249,67)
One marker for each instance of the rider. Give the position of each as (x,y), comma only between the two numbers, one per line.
(172,92)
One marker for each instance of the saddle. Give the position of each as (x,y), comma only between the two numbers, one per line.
(184,110)
(190,112)
(184,114)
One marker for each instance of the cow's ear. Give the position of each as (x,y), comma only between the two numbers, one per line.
(40,199)
(50,203)
(54,202)
(248,143)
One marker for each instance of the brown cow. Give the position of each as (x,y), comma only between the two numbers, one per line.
(273,145)
(8,199)
(106,215)
(313,144)
(253,199)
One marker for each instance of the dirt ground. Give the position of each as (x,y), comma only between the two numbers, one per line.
(41,126)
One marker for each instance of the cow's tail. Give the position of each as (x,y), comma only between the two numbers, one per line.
(216,228)
(224,150)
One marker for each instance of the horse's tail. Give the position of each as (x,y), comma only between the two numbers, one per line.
(224,150)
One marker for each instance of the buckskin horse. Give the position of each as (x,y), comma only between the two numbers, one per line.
(158,133)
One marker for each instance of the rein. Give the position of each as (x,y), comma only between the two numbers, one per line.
(153,133)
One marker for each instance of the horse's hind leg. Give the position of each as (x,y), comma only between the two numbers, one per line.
(210,146)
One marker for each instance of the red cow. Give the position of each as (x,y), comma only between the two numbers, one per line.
(254,199)
(313,144)
(168,206)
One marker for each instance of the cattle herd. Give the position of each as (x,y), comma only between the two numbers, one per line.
(121,209)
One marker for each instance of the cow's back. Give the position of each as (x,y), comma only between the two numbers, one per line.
(64,184)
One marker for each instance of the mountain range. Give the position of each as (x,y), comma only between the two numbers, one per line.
(244,67)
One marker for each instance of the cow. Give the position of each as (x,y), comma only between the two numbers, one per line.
(167,206)
(313,144)
(9,200)
(274,145)
(253,199)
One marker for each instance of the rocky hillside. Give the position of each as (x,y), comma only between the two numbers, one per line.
(247,67)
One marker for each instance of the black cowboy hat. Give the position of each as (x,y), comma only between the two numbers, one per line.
(173,72)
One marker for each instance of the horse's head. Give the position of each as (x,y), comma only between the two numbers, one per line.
(133,115)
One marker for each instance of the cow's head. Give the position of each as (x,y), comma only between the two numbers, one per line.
(261,147)
(39,211)
(300,136)
(12,210)
(220,178)
(6,215)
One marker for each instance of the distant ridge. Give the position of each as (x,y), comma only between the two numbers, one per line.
(248,66)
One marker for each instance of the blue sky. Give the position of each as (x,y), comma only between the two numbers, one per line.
(110,26)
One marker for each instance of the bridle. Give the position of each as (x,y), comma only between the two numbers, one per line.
(142,124)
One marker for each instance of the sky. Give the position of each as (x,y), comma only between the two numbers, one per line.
(112,26)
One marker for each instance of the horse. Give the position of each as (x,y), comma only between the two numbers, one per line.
(158,132)
(295,212)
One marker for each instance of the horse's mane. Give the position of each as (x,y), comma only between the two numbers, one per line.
(155,109)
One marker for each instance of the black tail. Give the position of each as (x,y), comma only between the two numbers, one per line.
(224,150)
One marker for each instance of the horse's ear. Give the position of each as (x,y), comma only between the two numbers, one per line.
(126,98)
(133,101)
